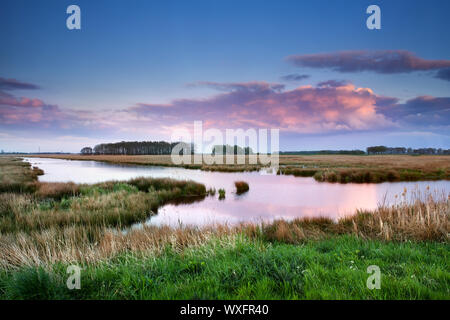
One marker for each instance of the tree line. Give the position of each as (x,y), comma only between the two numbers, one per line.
(164,148)
(403,150)
(324,152)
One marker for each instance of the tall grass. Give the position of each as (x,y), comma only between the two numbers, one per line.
(27,204)
(110,204)
(68,241)
(418,220)
(17,176)
(241,268)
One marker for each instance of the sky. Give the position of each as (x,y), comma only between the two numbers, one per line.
(139,70)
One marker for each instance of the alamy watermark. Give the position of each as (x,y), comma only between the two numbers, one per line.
(374,280)
(374,20)
(229,146)
(74,280)
(74,20)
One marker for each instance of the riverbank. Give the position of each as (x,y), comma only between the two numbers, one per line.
(53,225)
(329,168)
(237,267)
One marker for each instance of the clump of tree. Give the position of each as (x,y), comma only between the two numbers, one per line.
(138,148)
(377,150)
(86,151)
(403,150)
(228,150)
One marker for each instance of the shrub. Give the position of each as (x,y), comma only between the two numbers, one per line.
(241,187)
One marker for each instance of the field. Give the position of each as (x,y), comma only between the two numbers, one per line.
(330,168)
(45,227)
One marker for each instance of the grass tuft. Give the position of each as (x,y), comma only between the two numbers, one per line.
(241,187)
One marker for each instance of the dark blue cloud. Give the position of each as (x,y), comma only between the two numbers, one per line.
(420,111)
(295,77)
(12,84)
(333,83)
(381,61)
(443,74)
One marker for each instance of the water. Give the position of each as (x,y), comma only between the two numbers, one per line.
(270,197)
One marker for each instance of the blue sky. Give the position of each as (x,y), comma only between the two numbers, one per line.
(130,55)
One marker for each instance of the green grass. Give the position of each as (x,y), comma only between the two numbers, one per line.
(240,268)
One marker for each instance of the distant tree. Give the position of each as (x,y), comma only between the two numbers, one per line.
(227,150)
(325,152)
(141,148)
(377,150)
(402,150)
(86,150)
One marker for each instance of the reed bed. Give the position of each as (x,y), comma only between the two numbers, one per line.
(111,204)
(34,205)
(419,220)
(66,222)
(17,176)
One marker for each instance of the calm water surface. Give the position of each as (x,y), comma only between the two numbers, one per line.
(270,196)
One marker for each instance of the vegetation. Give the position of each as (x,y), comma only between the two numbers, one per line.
(241,187)
(16,175)
(403,150)
(163,147)
(227,149)
(367,169)
(323,152)
(330,168)
(136,148)
(221,194)
(109,204)
(56,225)
(241,268)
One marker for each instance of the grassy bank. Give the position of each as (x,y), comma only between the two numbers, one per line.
(27,205)
(330,168)
(59,224)
(241,268)
(17,175)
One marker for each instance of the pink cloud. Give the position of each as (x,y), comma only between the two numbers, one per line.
(7,99)
(329,107)
(305,109)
